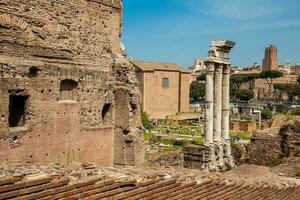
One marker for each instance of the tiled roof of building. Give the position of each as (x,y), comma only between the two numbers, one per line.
(152,66)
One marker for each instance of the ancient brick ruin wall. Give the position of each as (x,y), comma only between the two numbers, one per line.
(57,62)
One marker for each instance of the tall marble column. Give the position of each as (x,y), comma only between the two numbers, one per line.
(225,101)
(209,104)
(217,103)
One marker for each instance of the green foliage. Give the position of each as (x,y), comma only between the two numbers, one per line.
(281,86)
(274,161)
(250,77)
(241,134)
(197,91)
(293,90)
(148,136)
(295,111)
(197,141)
(201,77)
(179,129)
(237,80)
(146,121)
(266,113)
(245,95)
(297,150)
(298,79)
(270,74)
(297,173)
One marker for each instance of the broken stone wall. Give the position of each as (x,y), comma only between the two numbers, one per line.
(57,80)
(129,140)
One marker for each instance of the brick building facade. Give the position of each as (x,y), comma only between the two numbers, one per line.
(165,88)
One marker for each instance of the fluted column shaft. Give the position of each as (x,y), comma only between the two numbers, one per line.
(217,103)
(209,102)
(225,102)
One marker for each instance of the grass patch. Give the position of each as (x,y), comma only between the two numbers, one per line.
(148,136)
(197,141)
(242,135)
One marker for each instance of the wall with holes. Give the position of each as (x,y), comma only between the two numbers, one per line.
(57,80)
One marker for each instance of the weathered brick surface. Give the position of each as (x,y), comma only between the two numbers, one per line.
(96,188)
(60,58)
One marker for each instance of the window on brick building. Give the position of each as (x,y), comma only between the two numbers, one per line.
(17,108)
(165,82)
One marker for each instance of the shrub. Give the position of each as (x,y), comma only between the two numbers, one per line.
(296,111)
(274,161)
(245,95)
(266,113)
(146,121)
(297,173)
(148,136)
(197,141)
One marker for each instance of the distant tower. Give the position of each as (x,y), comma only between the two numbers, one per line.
(270,61)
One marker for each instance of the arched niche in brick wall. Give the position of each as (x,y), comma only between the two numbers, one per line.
(68,90)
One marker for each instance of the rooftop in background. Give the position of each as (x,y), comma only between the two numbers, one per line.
(152,66)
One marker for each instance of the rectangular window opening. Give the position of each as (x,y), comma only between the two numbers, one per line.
(165,82)
(17,108)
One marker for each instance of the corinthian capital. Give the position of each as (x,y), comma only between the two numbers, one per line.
(226,69)
(210,67)
(218,68)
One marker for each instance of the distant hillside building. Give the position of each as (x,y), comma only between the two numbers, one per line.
(270,61)
(164,88)
(198,66)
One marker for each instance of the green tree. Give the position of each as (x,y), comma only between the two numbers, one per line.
(293,90)
(201,77)
(237,80)
(197,91)
(146,121)
(266,113)
(235,83)
(251,80)
(269,76)
(298,79)
(281,88)
(245,95)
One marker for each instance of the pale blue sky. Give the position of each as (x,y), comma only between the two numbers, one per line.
(180,30)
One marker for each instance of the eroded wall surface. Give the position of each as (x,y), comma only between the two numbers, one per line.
(58,80)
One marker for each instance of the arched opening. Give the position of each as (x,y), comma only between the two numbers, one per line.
(68,90)
(165,82)
(106,111)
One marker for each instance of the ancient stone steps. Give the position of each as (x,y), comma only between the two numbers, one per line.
(51,188)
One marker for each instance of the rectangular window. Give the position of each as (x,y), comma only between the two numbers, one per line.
(17,105)
(165,82)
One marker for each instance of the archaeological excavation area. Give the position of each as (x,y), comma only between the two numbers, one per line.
(70,115)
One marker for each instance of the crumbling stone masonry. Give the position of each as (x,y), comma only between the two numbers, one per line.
(215,154)
(66,93)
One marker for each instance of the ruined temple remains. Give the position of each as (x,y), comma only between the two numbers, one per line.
(67,94)
(215,153)
(217,107)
